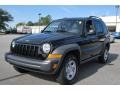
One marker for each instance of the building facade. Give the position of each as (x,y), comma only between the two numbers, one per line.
(112,23)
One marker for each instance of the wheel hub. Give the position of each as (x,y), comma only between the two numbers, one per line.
(70,69)
(105,54)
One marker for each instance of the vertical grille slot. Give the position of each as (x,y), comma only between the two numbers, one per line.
(27,50)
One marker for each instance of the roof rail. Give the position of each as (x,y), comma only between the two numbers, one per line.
(95,17)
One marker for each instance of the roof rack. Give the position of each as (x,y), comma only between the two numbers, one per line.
(95,17)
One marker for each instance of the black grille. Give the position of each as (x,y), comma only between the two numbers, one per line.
(27,50)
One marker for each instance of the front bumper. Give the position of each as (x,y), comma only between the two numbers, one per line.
(42,66)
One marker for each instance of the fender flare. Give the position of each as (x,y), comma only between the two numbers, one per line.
(64,49)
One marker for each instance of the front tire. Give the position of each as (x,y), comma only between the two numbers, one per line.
(69,71)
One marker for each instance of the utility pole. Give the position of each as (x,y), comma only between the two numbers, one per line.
(39,21)
(117,8)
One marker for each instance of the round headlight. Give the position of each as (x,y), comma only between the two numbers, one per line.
(46,48)
(13,44)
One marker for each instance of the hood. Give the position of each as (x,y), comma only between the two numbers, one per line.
(43,37)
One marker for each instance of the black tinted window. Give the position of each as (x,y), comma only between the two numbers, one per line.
(98,26)
(105,28)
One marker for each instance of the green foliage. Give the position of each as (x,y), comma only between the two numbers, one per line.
(30,23)
(20,24)
(5,17)
(43,21)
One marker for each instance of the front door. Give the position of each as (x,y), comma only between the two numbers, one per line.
(89,43)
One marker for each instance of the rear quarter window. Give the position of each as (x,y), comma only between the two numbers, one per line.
(105,28)
(100,27)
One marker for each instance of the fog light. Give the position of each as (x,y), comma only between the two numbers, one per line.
(55,66)
(54,56)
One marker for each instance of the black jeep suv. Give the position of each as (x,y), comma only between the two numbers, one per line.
(61,47)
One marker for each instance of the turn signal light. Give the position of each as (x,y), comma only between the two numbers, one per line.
(54,56)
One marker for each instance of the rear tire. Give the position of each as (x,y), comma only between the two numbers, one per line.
(20,70)
(104,57)
(69,71)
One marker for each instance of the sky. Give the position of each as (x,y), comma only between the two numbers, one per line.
(25,13)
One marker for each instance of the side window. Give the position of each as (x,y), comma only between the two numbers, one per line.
(105,28)
(98,26)
(90,30)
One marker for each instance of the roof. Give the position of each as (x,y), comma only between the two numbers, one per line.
(71,19)
(79,18)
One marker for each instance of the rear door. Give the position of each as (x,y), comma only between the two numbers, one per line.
(100,34)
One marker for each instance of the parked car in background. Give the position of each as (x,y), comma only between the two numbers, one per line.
(112,38)
(116,35)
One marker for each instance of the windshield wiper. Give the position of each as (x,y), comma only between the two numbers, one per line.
(47,31)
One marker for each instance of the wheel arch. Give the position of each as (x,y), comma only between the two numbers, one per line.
(75,52)
(65,50)
(107,45)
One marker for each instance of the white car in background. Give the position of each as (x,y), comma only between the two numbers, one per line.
(112,39)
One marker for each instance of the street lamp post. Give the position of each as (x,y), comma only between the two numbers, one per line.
(39,21)
(117,7)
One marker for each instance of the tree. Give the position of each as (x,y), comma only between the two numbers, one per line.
(45,20)
(20,24)
(36,24)
(5,17)
(30,23)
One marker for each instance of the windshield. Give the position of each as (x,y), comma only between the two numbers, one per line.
(73,26)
